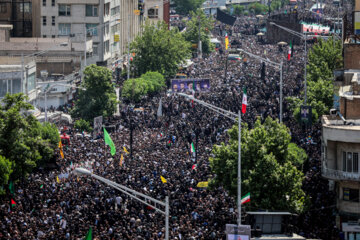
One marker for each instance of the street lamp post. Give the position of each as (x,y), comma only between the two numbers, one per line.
(149,201)
(280,66)
(233,117)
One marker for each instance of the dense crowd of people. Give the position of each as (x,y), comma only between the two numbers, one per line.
(59,204)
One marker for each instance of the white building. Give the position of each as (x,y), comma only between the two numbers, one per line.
(17,76)
(100,19)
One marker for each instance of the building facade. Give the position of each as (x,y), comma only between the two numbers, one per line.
(99,19)
(17,76)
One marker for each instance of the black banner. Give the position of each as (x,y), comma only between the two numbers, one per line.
(225,18)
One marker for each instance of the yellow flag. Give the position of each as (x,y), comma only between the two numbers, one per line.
(57,179)
(121,160)
(61,150)
(163,179)
(202,184)
(125,150)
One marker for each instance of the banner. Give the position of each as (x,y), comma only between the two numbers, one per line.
(305,114)
(185,85)
(97,125)
(225,18)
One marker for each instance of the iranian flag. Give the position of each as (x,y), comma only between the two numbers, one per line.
(245,198)
(289,53)
(192,148)
(244,102)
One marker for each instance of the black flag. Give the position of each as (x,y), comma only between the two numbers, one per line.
(225,18)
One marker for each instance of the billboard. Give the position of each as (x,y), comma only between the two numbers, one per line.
(305,114)
(184,85)
(357,23)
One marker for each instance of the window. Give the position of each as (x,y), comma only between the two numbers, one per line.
(44,36)
(31,82)
(91,10)
(106,9)
(53,20)
(350,194)
(64,10)
(53,3)
(91,28)
(153,13)
(106,29)
(53,36)
(44,3)
(350,162)
(106,46)
(64,29)
(95,49)
(44,20)
(25,7)
(115,10)
(3,8)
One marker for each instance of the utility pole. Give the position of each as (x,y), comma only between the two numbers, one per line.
(199,44)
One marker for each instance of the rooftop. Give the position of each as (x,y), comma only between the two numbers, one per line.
(336,122)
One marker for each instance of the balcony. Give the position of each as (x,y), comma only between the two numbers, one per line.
(339,175)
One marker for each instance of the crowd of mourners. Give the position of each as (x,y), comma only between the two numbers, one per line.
(59,204)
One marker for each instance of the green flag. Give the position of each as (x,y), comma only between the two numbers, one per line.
(89,235)
(109,142)
(11,187)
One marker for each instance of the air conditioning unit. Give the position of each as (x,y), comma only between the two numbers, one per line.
(333,112)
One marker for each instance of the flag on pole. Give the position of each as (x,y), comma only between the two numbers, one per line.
(244,101)
(57,179)
(226,41)
(245,198)
(194,167)
(192,148)
(13,203)
(289,53)
(163,179)
(109,142)
(121,160)
(61,150)
(159,111)
(11,187)
(89,235)
(125,150)
(41,186)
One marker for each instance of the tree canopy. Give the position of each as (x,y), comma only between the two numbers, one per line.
(160,50)
(270,171)
(148,83)
(192,29)
(99,98)
(185,6)
(24,142)
(323,58)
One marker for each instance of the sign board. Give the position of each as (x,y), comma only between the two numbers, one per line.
(137,12)
(187,85)
(357,23)
(305,114)
(97,125)
(116,38)
(235,232)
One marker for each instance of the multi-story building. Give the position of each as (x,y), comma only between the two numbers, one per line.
(23,15)
(100,19)
(341,136)
(157,10)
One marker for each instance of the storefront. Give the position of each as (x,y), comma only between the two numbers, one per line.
(351,230)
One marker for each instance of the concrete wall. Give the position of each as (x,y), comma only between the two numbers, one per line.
(348,134)
(351,56)
(275,34)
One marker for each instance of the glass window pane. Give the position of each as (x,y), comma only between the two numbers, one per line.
(355,162)
(3,89)
(88,10)
(31,82)
(16,86)
(344,161)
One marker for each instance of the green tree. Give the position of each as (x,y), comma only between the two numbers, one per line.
(5,172)
(155,79)
(323,58)
(192,30)
(185,6)
(134,89)
(99,98)
(159,49)
(83,125)
(258,8)
(23,140)
(269,169)
(238,9)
